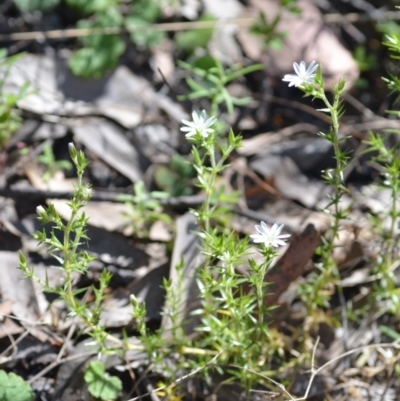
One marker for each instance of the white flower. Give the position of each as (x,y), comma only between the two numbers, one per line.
(303,74)
(270,236)
(199,124)
(41,212)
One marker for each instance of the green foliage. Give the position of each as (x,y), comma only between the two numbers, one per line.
(14,388)
(144,13)
(10,120)
(387,156)
(389,28)
(291,5)
(365,61)
(142,33)
(33,5)
(148,10)
(393,44)
(92,6)
(233,322)
(101,52)
(392,334)
(385,287)
(267,31)
(212,84)
(191,40)
(173,305)
(69,255)
(92,62)
(317,291)
(101,385)
(48,159)
(177,178)
(145,209)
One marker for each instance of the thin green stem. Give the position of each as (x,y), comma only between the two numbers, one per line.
(67,264)
(209,188)
(330,274)
(393,217)
(338,171)
(260,300)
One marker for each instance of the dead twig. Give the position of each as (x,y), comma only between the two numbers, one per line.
(334,18)
(97,196)
(59,362)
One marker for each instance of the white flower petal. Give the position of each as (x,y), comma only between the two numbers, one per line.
(186,122)
(296,68)
(265,228)
(195,117)
(312,67)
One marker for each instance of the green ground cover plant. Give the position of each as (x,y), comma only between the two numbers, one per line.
(14,388)
(52,165)
(145,209)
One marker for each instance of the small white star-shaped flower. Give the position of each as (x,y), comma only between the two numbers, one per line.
(270,236)
(303,74)
(200,124)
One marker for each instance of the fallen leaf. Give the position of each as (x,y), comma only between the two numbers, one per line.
(307,38)
(292,264)
(108,142)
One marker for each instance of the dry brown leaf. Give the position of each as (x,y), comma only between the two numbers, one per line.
(292,264)
(20,291)
(120,95)
(307,38)
(109,143)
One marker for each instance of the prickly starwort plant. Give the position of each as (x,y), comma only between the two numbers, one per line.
(233,319)
(316,294)
(386,153)
(64,242)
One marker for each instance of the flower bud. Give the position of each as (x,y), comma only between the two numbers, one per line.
(22,258)
(41,212)
(72,151)
(86,193)
(135,303)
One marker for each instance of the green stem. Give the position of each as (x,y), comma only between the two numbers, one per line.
(210,188)
(338,178)
(260,299)
(330,273)
(338,168)
(390,242)
(67,264)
